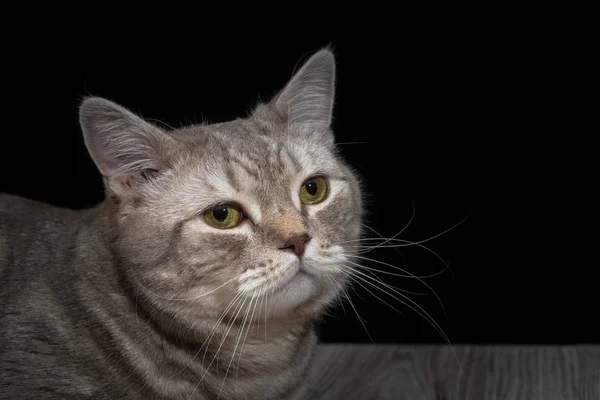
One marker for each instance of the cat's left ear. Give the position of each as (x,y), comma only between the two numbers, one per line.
(307,99)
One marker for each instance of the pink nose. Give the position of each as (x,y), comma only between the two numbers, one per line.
(296,243)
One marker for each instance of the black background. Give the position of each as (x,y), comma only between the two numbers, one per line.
(425,122)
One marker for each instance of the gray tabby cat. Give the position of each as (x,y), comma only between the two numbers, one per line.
(201,274)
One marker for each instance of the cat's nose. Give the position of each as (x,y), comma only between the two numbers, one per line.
(297,243)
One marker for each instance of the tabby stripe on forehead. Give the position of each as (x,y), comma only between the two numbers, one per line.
(253,172)
(280,150)
(294,160)
(231,178)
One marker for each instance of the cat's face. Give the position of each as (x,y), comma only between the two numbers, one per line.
(257,210)
(263,177)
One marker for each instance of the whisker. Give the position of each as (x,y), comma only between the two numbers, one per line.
(266,311)
(446,264)
(368,270)
(397,234)
(335,284)
(353,277)
(375,277)
(368,249)
(261,296)
(239,336)
(277,305)
(410,276)
(250,322)
(175,299)
(412,243)
(356,312)
(344,143)
(220,346)
(419,310)
(237,297)
(212,332)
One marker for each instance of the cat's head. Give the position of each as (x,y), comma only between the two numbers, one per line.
(260,209)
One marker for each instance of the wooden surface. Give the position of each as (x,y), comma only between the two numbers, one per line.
(370,372)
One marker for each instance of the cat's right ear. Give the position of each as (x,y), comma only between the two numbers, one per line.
(126,149)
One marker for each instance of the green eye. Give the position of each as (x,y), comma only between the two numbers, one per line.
(313,191)
(223,216)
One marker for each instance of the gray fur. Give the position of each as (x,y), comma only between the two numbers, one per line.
(123,300)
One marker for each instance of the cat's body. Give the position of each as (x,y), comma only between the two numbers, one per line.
(161,292)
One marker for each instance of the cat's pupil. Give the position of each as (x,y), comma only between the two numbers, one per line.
(220,213)
(311,187)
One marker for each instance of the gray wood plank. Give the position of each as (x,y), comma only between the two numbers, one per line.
(589,382)
(373,372)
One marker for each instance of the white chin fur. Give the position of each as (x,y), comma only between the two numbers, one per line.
(299,289)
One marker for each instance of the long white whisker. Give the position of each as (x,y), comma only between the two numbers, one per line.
(335,284)
(212,332)
(237,297)
(343,143)
(410,275)
(266,311)
(174,299)
(375,277)
(418,309)
(356,312)
(221,345)
(446,265)
(407,275)
(370,271)
(239,336)
(412,243)
(250,322)
(260,309)
(368,248)
(397,234)
(391,273)
(262,300)
(350,274)
(276,306)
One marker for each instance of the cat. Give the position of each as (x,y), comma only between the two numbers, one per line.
(203,271)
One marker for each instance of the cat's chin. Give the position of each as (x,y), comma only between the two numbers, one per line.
(300,289)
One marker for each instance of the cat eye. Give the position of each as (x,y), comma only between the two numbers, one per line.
(223,216)
(313,191)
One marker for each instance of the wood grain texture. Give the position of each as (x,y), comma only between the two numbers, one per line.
(589,385)
(373,372)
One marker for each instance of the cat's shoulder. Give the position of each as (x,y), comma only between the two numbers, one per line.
(26,223)
(14,205)
(20,210)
